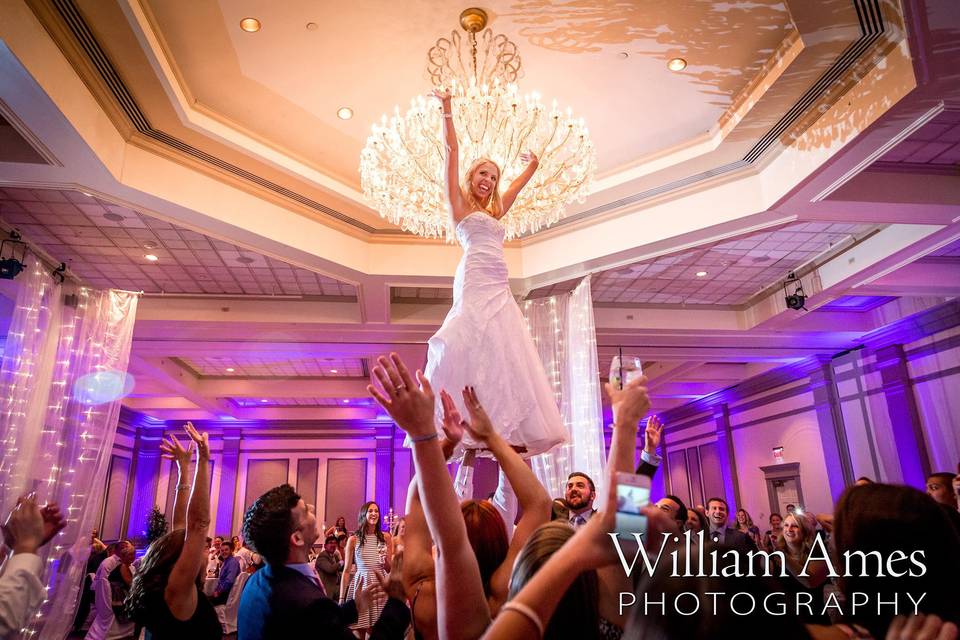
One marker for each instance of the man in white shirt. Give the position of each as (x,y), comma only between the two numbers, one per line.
(26,529)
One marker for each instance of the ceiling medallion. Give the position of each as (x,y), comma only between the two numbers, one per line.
(401,167)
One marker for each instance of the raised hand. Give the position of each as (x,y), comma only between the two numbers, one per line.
(409,404)
(529,157)
(365,596)
(441,93)
(652,434)
(23,529)
(202,440)
(172,449)
(479,426)
(53,522)
(453,422)
(392,584)
(921,627)
(630,403)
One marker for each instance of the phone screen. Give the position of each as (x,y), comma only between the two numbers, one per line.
(633,494)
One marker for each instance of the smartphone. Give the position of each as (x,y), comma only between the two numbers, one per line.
(622,372)
(633,494)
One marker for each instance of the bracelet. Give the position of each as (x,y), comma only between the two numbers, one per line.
(448,115)
(526,612)
(425,438)
(183,486)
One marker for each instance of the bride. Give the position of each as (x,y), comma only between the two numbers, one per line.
(484,341)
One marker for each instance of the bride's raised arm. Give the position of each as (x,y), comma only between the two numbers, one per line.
(452,158)
(510,195)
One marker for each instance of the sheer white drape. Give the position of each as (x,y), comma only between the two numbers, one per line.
(563,329)
(57,438)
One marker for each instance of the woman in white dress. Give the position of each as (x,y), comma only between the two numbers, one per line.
(484,341)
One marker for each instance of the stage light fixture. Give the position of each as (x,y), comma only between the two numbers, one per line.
(60,273)
(798,298)
(10,265)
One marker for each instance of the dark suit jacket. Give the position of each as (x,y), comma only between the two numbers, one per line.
(281,603)
(562,512)
(736,540)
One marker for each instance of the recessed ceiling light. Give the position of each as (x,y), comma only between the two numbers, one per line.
(333,370)
(344,113)
(149,244)
(86,194)
(230,369)
(250,25)
(346,402)
(312,26)
(151,257)
(264,400)
(113,217)
(700,274)
(677,64)
(245,260)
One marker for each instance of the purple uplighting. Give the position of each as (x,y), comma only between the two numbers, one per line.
(858,304)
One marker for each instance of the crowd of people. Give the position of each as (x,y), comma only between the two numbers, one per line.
(466,568)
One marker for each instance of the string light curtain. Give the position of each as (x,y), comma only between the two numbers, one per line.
(563,330)
(60,339)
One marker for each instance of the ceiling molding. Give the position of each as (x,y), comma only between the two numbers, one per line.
(872,28)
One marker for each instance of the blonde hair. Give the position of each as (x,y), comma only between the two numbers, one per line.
(494,204)
(806,535)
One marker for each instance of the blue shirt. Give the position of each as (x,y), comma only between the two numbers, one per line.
(228,574)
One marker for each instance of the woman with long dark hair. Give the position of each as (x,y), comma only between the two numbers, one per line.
(371,550)
(166,596)
(883,518)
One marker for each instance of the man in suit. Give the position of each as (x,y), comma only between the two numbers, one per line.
(576,506)
(287,596)
(720,533)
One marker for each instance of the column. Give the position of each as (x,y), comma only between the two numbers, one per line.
(229,464)
(904,417)
(146,475)
(728,461)
(383,490)
(833,438)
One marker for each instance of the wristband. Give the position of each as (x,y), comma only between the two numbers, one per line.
(448,115)
(425,438)
(526,612)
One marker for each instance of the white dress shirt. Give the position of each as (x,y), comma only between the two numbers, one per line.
(21,592)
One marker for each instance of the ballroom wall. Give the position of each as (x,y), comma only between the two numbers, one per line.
(886,410)
(336,467)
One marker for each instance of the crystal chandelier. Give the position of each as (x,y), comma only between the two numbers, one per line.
(402,165)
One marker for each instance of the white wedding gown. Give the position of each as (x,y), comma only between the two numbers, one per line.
(485,343)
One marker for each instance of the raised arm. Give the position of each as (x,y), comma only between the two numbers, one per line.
(510,195)
(533,499)
(451,158)
(459,589)
(171,448)
(589,548)
(629,404)
(181,592)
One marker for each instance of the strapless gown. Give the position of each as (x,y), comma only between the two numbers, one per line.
(485,342)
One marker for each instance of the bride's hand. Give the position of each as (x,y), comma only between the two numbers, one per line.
(529,157)
(441,93)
